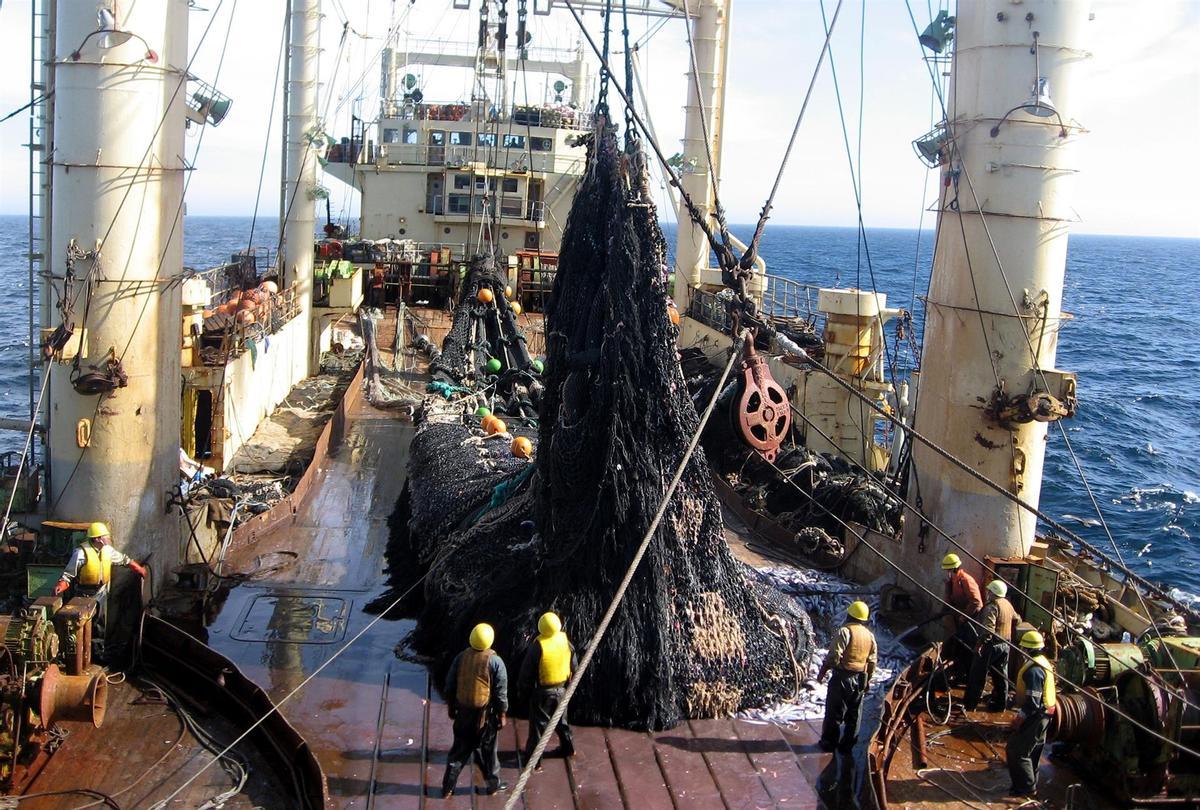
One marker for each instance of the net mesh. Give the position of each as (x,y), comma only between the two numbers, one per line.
(505,540)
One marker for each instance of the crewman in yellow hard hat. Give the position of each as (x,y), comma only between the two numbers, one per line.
(1035,705)
(852,658)
(997,621)
(962,597)
(547,667)
(90,569)
(476,691)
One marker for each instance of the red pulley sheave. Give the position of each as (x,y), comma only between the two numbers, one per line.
(761,412)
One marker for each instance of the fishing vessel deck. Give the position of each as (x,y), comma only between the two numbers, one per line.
(965,767)
(376,722)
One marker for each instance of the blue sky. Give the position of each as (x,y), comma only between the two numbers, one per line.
(1142,107)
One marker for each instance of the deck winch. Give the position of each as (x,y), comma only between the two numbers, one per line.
(1129,688)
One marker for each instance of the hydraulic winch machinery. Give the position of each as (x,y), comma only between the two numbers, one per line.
(1138,704)
(46,670)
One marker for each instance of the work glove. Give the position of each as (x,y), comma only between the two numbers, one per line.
(60,587)
(137,568)
(503,719)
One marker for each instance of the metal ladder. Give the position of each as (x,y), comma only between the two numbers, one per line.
(41,71)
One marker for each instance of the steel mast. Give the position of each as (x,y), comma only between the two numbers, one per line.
(704,115)
(300,183)
(987,387)
(117,206)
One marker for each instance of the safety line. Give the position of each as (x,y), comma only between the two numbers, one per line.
(577,675)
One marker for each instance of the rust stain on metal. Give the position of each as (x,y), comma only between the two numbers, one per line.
(983,442)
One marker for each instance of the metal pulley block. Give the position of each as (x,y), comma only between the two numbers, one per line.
(761,413)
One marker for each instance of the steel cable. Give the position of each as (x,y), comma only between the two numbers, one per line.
(576,676)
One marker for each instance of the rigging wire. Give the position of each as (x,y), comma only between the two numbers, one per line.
(576,676)
(24,454)
(277,705)
(262,169)
(971,471)
(95,265)
(752,249)
(856,182)
(1029,342)
(926,520)
(861,537)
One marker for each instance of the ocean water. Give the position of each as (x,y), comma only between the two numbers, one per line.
(1137,432)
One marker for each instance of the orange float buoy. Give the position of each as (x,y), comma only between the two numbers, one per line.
(486,422)
(508,293)
(521,447)
(673,314)
(516,308)
(271,287)
(245,317)
(485,295)
(496,426)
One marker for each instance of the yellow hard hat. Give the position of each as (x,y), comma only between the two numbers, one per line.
(97,530)
(858,610)
(951,561)
(998,587)
(1032,640)
(482,636)
(549,624)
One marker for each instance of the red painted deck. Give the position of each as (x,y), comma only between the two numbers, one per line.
(385,746)
(374,721)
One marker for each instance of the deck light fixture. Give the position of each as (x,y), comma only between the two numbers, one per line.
(938,34)
(1039,104)
(110,36)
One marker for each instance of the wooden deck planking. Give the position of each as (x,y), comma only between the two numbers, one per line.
(683,766)
(802,739)
(592,771)
(398,778)
(550,788)
(777,765)
(642,785)
(730,765)
(437,746)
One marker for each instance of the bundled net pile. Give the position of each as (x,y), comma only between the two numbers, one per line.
(485,347)
(693,636)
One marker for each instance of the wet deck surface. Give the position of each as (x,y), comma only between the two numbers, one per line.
(140,756)
(967,768)
(377,725)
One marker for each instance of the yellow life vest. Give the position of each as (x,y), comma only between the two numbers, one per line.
(97,565)
(555,666)
(1049,698)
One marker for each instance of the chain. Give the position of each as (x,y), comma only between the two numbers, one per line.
(602,98)
(630,128)
(522,36)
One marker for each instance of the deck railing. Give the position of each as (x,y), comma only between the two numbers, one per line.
(787,304)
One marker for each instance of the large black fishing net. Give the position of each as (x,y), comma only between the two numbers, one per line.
(506,539)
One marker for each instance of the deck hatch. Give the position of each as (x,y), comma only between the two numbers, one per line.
(293,619)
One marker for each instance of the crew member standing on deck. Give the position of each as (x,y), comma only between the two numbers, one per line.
(962,594)
(476,693)
(997,620)
(852,657)
(375,299)
(90,568)
(1035,705)
(547,667)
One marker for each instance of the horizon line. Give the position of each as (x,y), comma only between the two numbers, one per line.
(851,227)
